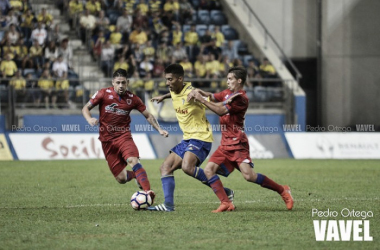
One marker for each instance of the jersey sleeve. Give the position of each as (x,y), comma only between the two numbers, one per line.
(218,96)
(97,98)
(237,105)
(139,105)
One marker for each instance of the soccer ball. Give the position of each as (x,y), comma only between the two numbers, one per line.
(141,200)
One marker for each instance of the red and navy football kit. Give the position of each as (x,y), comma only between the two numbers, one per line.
(234,146)
(114,126)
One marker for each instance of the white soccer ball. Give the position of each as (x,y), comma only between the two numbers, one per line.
(141,200)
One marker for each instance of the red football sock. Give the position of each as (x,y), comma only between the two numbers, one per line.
(218,189)
(130,175)
(272,185)
(142,178)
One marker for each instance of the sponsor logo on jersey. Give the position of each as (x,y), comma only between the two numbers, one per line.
(112,109)
(181,111)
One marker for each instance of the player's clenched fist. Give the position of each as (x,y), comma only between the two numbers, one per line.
(93,121)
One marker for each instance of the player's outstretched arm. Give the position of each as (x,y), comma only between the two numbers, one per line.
(159,99)
(153,121)
(203,93)
(87,114)
(218,108)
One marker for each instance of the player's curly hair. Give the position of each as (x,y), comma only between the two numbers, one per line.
(240,73)
(120,73)
(175,69)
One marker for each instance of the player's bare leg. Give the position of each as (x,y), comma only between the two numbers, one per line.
(125,176)
(189,163)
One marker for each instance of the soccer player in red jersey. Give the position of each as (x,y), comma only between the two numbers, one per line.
(233,152)
(115,104)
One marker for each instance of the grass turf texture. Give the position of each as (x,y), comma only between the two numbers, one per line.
(57,205)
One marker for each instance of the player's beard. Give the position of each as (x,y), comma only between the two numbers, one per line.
(121,91)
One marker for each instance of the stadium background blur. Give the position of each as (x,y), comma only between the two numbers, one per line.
(312,65)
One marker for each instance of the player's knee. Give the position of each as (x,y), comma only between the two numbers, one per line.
(249,176)
(132,161)
(209,172)
(165,169)
(187,168)
(121,180)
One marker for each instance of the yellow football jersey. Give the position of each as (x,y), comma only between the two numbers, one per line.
(191,116)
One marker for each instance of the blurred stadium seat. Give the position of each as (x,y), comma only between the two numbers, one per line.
(2,33)
(185,28)
(201,29)
(29,71)
(195,3)
(113,15)
(3,94)
(217,17)
(203,17)
(229,32)
(247,58)
(241,47)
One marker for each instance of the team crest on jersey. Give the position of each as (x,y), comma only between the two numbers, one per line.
(129,101)
(108,91)
(110,97)
(183,101)
(112,108)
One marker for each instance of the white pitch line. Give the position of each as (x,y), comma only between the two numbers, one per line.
(205,202)
(319,200)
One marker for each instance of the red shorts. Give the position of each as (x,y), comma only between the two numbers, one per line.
(117,152)
(228,160)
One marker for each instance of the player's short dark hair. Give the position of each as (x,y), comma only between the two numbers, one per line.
(175,69)
(240,73)
(120,73)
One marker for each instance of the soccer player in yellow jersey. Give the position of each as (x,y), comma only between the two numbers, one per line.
(197,137)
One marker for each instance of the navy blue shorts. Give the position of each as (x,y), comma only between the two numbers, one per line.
(200,148)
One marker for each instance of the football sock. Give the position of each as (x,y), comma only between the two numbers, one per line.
(199,174)
(168,185)
(141,176)
(268,183)
(217,186)
(130,175)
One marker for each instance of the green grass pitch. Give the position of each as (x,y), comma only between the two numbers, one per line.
(57,205)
